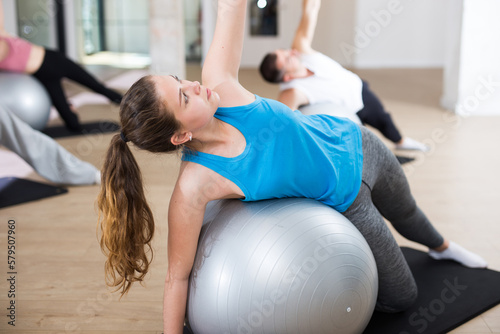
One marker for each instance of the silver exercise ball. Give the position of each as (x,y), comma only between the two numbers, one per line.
(280,266)
(25,96)
(330,109)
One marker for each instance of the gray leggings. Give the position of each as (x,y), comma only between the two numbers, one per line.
(385,193)
(44,154)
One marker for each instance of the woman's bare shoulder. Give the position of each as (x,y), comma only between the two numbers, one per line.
(202,184)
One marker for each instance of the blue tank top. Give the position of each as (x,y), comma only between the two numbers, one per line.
(289,154)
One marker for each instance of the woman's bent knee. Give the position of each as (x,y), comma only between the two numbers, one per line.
(397,302)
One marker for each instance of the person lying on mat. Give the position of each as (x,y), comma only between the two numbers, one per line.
(44,154)
(49,67)
(308,77)
(235,144)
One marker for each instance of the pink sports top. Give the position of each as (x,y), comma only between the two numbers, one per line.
(17,55)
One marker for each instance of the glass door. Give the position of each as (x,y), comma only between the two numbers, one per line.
(115,32)
(35,22)
(93,26)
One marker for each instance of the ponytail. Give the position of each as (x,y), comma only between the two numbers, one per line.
(126,221)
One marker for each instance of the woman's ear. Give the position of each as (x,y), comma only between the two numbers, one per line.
(180,138)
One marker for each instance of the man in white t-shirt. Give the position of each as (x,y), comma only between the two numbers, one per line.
(308,77)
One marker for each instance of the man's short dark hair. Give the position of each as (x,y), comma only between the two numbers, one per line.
(269,70)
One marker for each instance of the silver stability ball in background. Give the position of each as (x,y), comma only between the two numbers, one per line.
(330,109)
(25,96)
(280,266)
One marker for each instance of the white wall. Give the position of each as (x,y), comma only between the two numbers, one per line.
(365,33)
(10,14)
(472,72)
(72,38)
(334,17)
(166,22)
(400,33)
(452,54)
(207,26)
(334,29)
(256,47)
(127,26)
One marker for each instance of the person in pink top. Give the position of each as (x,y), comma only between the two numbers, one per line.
(49,67)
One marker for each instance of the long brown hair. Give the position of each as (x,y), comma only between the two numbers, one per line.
(126,221)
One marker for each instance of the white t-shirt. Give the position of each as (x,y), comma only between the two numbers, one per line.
(331,83)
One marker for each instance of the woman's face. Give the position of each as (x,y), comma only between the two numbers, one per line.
(193,105)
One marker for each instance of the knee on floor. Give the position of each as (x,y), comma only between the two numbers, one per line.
(397,302)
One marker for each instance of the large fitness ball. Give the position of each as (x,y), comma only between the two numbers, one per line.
(25,96)
(280,266)
(330,109)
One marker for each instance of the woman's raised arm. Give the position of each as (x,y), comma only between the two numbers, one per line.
(224,55)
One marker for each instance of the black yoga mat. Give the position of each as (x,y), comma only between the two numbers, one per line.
(87,129)
(17,191)
(449,295)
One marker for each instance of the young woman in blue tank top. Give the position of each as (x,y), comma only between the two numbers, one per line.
(238,145)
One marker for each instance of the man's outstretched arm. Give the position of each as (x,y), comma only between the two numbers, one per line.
(305,31)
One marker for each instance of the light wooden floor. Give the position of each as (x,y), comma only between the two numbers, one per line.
(60,284)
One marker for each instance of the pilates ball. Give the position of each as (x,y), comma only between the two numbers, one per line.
(25,96)
(280,266)
(331,109)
